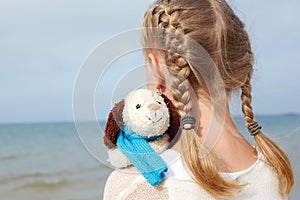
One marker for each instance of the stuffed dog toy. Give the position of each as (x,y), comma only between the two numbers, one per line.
(146,114)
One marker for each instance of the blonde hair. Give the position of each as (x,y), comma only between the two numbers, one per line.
(213,25)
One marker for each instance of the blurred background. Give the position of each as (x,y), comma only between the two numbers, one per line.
(44,43)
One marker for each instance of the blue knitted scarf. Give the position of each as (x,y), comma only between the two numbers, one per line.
(141,155)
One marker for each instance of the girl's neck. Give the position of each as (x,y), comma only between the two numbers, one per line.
(229,144)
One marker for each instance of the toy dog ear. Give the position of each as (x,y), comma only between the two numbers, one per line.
(113,124)
(173,130)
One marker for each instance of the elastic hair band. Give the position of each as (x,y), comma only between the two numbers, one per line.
(187,122)
(254,128)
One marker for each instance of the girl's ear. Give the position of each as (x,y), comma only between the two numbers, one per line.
(173,130)
(157,70)
(113,125)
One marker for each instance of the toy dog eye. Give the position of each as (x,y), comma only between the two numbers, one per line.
(138,106)
(158,102)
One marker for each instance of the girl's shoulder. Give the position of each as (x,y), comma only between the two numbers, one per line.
(127,184)
(260,179)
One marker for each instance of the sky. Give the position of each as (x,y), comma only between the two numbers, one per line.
(44,43)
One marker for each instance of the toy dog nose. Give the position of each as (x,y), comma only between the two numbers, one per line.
(153,106)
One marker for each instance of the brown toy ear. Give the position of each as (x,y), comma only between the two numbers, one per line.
(173,130)
(113,124)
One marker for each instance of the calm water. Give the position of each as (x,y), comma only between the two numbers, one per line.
(48,161)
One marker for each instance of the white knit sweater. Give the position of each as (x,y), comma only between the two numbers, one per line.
(128,184)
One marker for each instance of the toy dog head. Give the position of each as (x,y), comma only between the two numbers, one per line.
(145,112)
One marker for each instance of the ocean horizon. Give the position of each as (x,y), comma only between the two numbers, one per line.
(47,159)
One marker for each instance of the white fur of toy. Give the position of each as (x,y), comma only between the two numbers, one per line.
(150,118)
(143,120)
(119,160)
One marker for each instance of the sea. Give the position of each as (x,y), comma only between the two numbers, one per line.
(49,160)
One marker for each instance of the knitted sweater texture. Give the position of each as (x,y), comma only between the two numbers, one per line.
(128,184)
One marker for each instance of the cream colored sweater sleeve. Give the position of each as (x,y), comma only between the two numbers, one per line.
(128,186)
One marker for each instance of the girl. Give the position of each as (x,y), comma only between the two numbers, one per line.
(232,168)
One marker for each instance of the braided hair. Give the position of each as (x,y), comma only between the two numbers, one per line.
(214,26)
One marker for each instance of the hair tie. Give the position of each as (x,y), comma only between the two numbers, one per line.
(187,122)
(254,128)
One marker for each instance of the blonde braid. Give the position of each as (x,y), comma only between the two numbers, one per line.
(246,101)
(166,19)
(276,158)
(203,168)
(181,94)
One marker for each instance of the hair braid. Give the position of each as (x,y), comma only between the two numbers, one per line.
(178,66)
(246,101)
(276,158)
